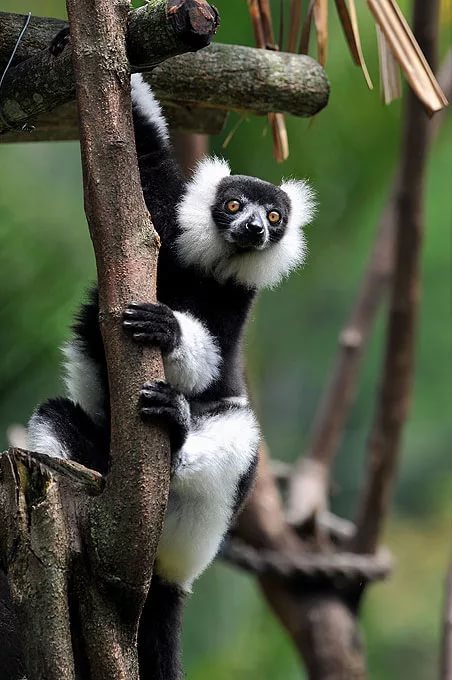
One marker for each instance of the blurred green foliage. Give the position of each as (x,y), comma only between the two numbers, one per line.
(349,152)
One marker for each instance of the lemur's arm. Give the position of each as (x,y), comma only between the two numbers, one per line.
(161,177)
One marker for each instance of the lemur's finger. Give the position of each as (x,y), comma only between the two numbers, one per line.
(156,339)
(149,307)
(158,384)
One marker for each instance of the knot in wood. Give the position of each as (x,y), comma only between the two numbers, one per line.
(195,22)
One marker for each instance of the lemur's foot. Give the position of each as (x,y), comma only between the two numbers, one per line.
(159,401)
(152,324)
(60,41)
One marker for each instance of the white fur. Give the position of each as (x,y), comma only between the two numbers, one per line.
(195,362)
(83,380)
(201,244)
(42,439)
(213,459)
(147,105)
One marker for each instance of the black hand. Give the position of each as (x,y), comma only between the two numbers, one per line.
(159,401)
(152,324)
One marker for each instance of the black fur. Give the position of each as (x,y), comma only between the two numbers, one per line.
(160,402)
(152,324)
(85,441)
(159,632)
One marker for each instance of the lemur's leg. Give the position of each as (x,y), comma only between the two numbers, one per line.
(211,470)
(63,429)
(191,355)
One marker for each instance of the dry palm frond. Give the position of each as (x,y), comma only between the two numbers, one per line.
(266,18)
(321,27)
(294,26)
(256,21)
(281,24)
(261,19)
(280,140)
(390,85)
(349,22)
(408,54)
(306,31)
(232,132)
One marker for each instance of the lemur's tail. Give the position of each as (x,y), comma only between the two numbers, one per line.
(151,130)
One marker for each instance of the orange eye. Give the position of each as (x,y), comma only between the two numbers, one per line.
(273,216)
(233,206)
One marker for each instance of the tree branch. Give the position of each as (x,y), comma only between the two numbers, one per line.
(157,31)
(128,516)
(320,622)
(221,77)
(395,393)
(308,486)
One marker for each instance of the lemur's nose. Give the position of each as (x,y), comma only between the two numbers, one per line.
(255,229)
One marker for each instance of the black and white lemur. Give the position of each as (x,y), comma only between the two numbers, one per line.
(223,238)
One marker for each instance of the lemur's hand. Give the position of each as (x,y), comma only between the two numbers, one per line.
(160,402)
(152,324)
(59,42)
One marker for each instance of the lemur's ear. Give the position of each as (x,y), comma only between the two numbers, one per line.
(302,201)
(209,172)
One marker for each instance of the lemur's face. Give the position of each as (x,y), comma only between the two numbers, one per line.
(250,214)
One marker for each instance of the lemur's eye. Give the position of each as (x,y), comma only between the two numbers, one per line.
(273,216)
(233,206)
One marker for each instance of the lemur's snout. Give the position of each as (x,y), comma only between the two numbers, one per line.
(250,233)
(255,229)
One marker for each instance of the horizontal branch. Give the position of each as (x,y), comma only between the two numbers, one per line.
(331,567)
(245,79)
(228,77)
(157,31)
(61,124)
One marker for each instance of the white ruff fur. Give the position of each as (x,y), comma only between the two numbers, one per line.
(194,364)
(213,459)
(147,105)
(42,439)
(201,244)
(82,380)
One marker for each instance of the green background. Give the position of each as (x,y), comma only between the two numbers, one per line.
(349,153)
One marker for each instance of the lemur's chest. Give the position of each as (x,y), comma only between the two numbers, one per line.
(223,307)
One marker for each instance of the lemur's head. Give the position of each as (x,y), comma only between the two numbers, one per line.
(242,228)
(250,214)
